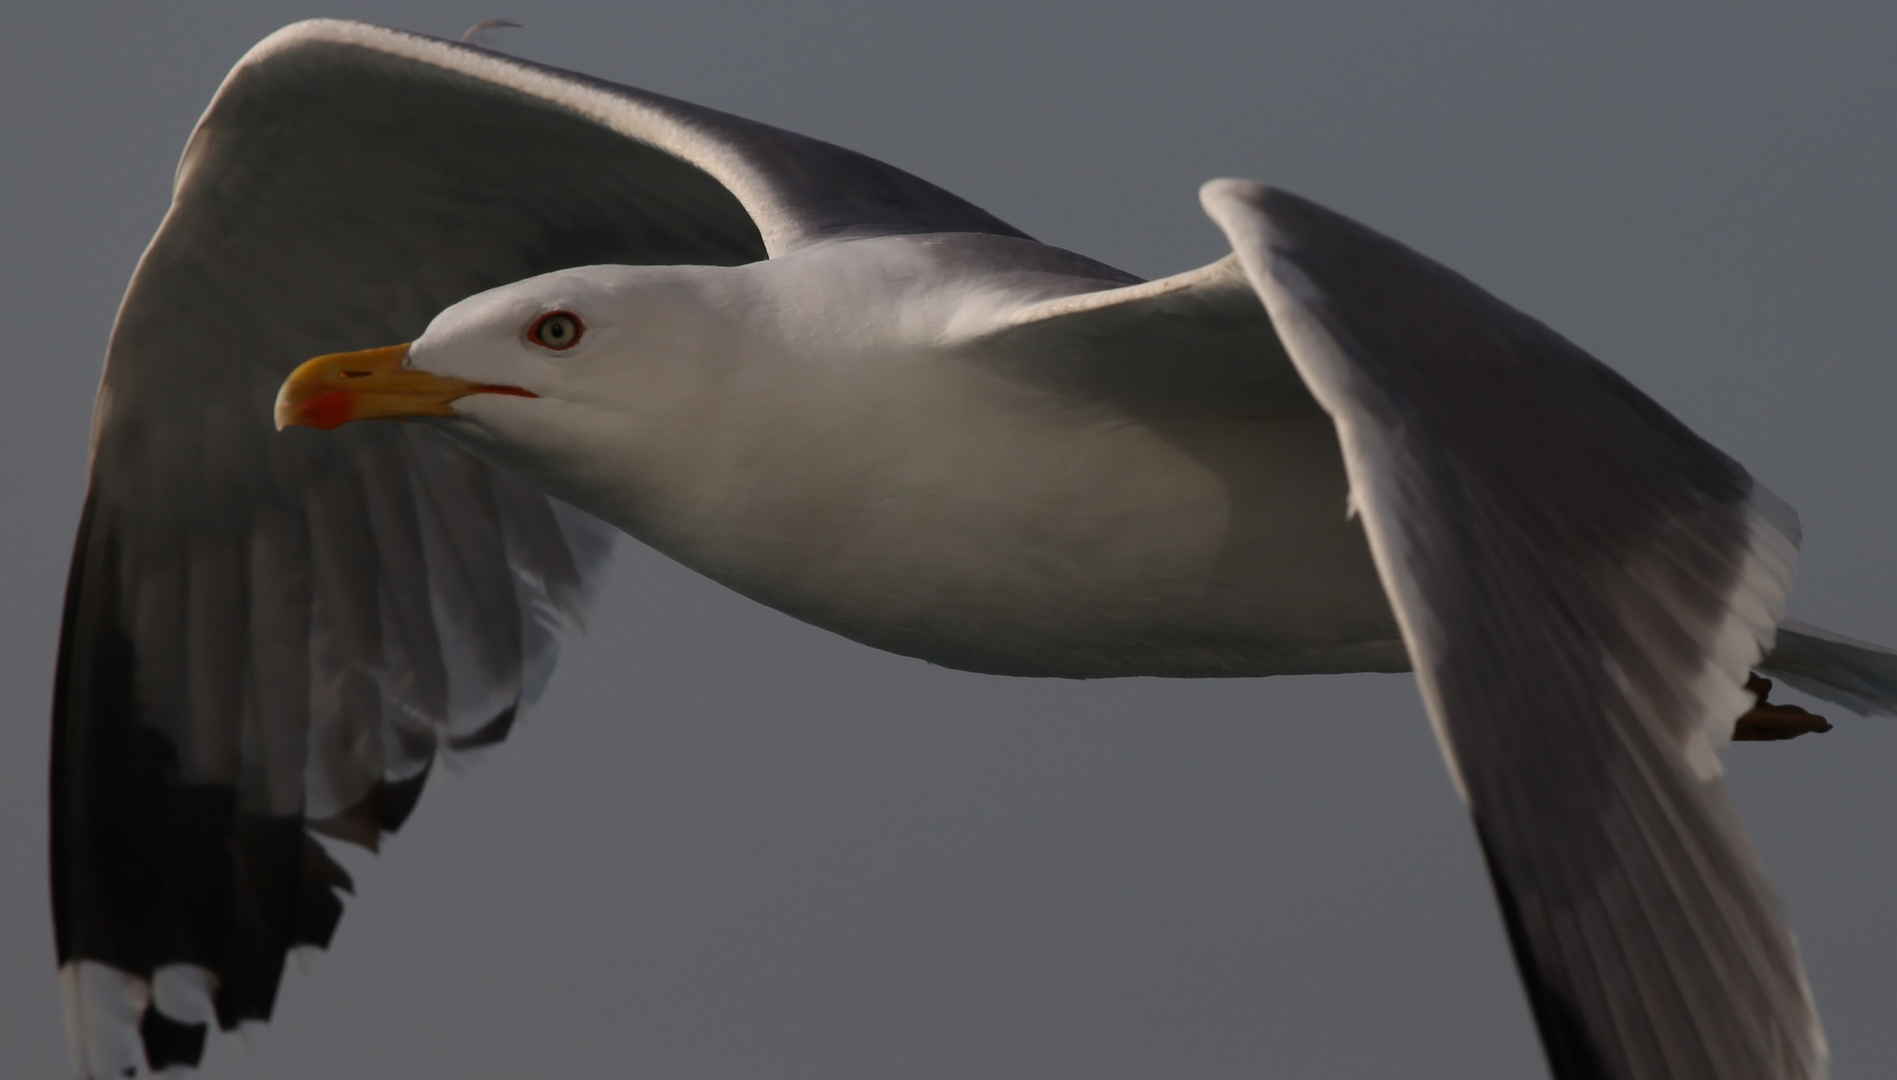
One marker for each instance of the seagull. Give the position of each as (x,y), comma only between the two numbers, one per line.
(544,309)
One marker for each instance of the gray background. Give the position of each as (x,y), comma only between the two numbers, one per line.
(728,845)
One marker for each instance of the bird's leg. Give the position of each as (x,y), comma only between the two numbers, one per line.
(1767,722)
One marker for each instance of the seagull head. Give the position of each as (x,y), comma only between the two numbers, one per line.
(548,377)
(568,337)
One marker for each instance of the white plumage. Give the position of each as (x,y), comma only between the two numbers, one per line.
(857,398)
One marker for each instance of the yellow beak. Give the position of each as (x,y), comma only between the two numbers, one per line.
(373,384)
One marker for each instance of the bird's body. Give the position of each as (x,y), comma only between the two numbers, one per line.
(917,488)
(861,400)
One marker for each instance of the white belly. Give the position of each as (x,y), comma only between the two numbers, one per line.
(978,523)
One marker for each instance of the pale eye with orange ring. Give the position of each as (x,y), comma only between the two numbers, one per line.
(556,330)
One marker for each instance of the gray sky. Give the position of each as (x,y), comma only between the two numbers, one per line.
(728,845)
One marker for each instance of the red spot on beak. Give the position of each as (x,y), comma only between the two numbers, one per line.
(328,410)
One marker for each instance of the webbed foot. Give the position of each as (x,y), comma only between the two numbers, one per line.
(1767,722)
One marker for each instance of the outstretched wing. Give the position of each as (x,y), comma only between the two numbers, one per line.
(268,634)
(1580,582)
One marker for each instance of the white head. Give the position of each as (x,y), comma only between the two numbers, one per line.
(549,377)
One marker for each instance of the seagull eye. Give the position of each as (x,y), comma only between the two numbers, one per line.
(556,330)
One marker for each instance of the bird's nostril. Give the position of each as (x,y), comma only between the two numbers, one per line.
(353,374)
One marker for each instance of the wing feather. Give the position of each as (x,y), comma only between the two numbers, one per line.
(1581,583)
(797,190)
(271,633)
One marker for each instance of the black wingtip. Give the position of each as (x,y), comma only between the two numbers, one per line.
(488,734)
(168,1042)
(383,810)
(1565,1037)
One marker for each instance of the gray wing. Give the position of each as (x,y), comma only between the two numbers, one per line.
(1582,583)
(1179,347)
(791,190)
(268,634)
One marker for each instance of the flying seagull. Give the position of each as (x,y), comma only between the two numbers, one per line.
(863,401)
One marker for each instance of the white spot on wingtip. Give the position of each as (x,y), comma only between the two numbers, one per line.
(185,993)
(103,1007)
